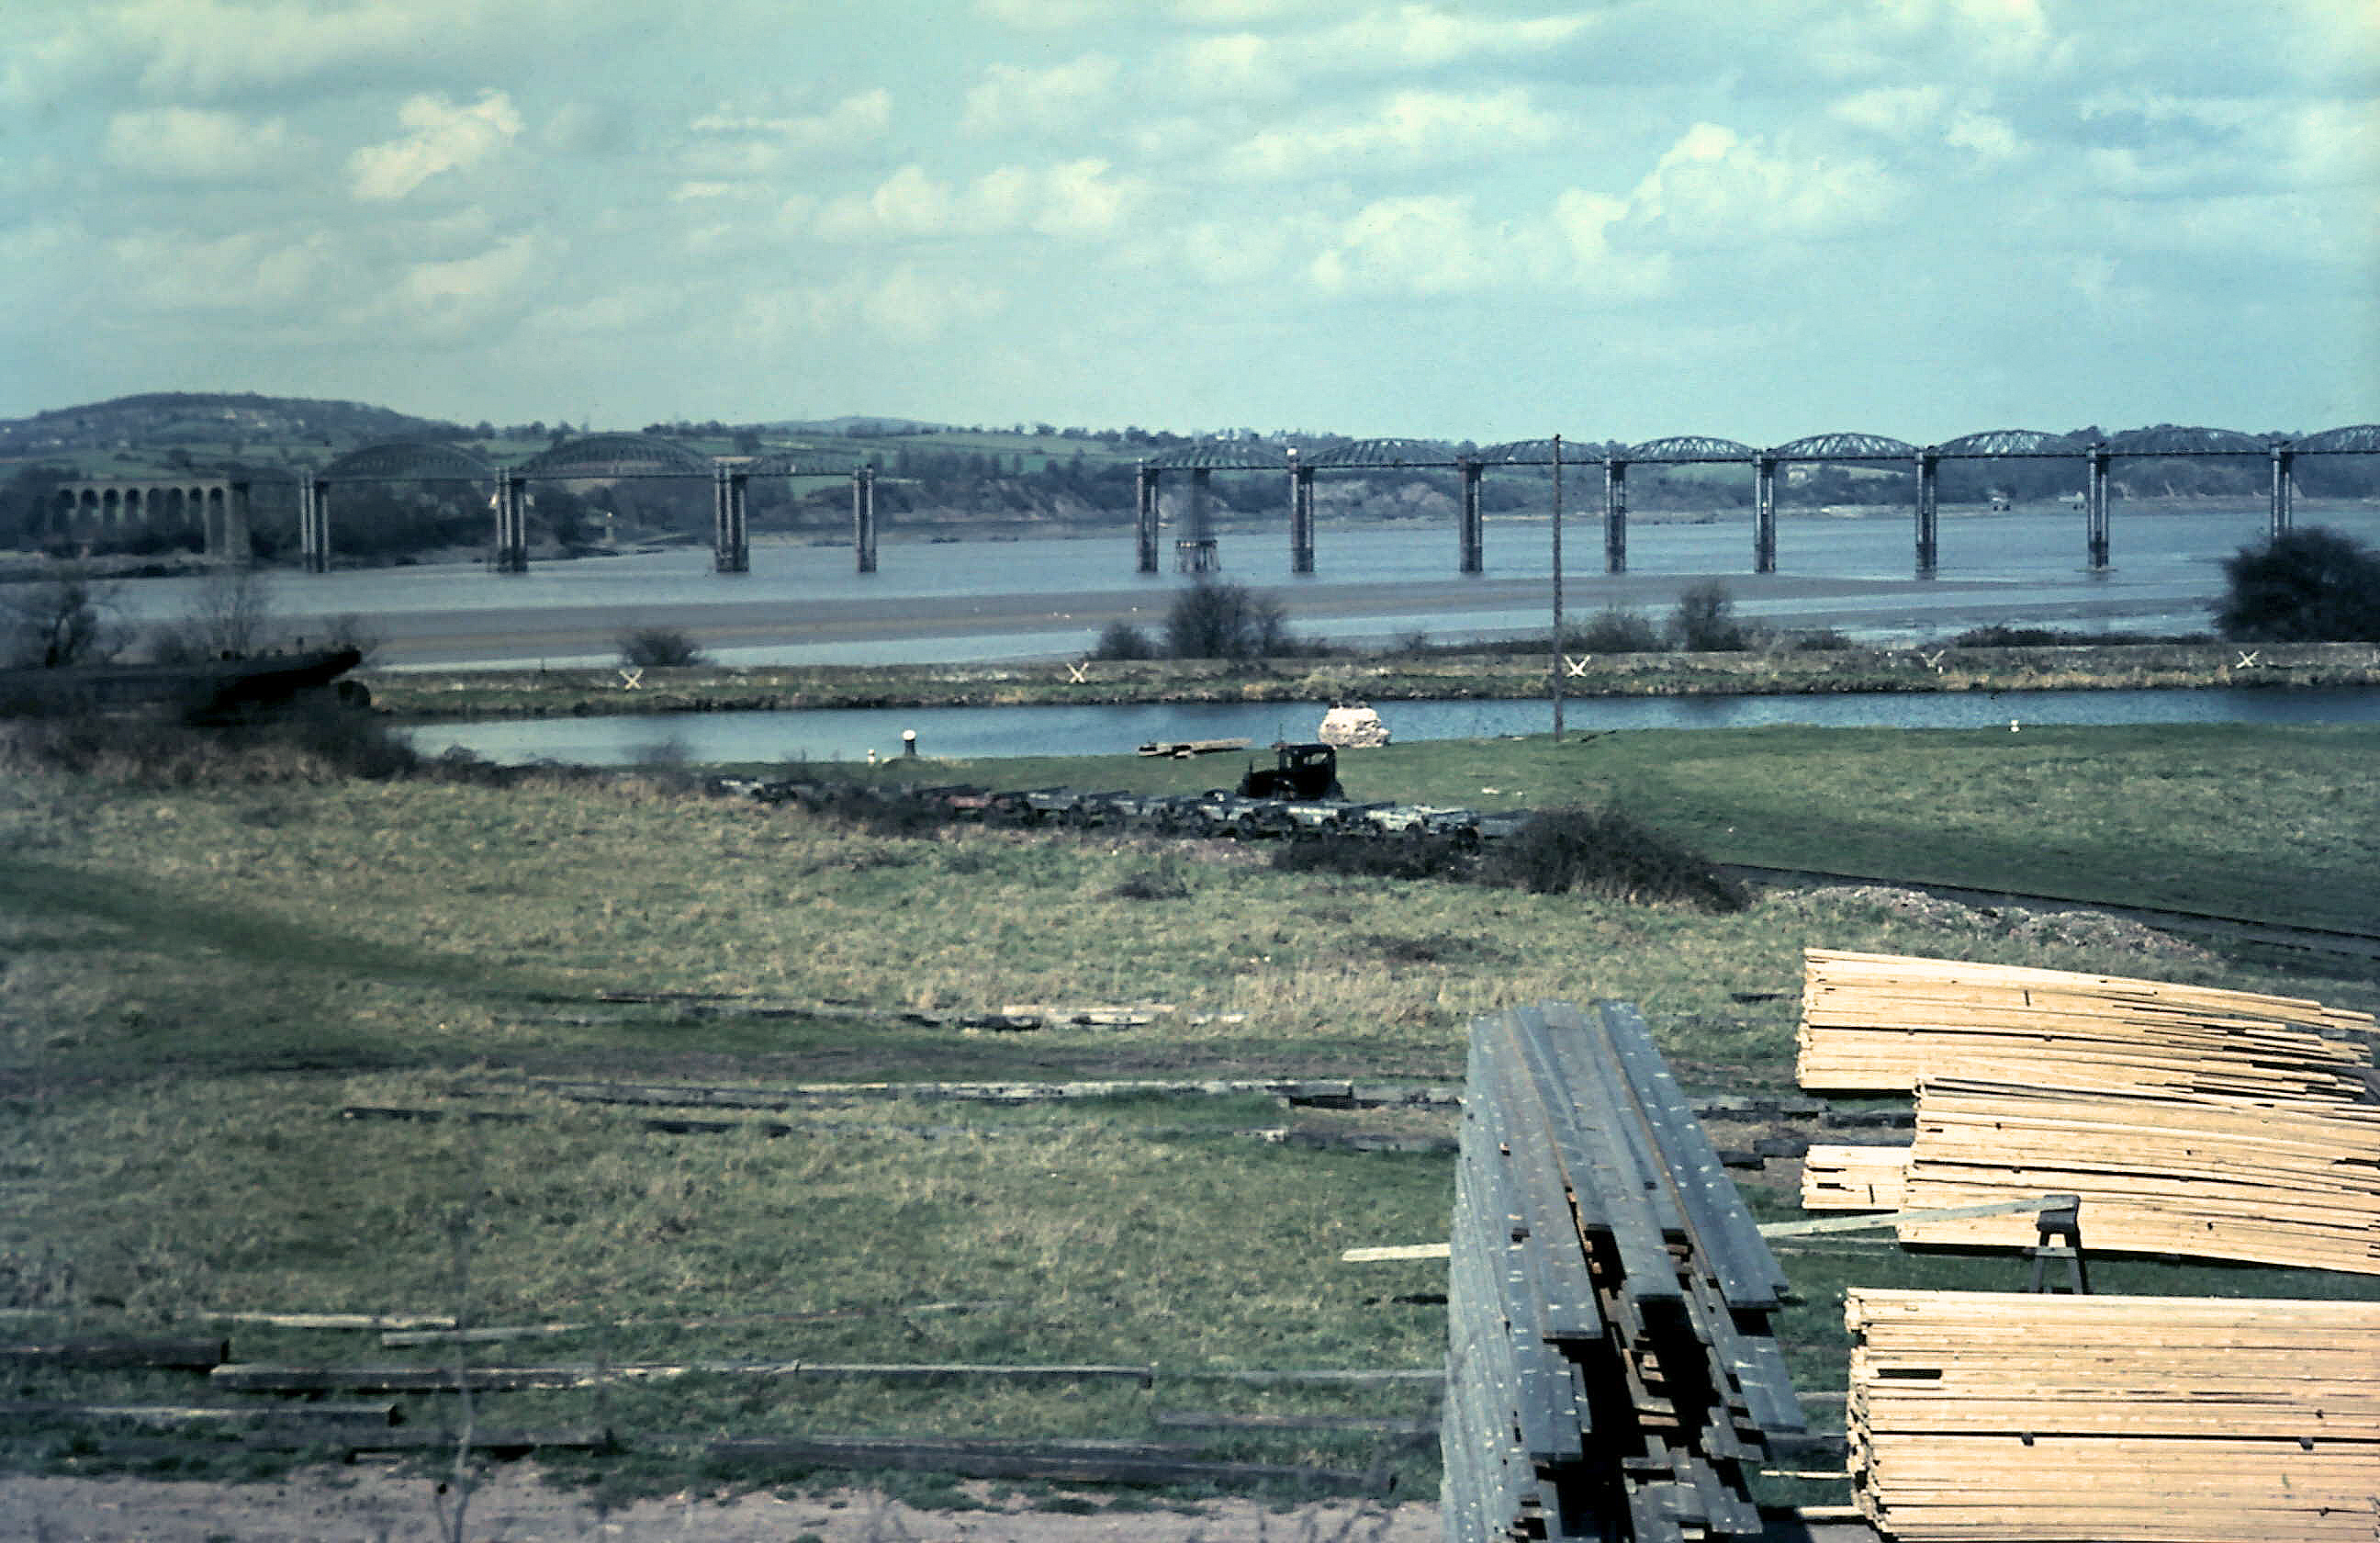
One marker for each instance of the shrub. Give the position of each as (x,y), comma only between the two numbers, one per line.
(1211,620)
(313,742)
(1704,620)
(1165,881)
(1123,640)
(1616,629)
(1607,852)
(659,648)
(59,621)
(2308,586)
(1433,858)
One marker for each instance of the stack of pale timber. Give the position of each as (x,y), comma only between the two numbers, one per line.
(2271,1184)
(2020,1419)
(1854,1178)
(1883,1023)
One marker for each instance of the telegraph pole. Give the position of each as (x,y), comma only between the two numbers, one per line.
(1557,592)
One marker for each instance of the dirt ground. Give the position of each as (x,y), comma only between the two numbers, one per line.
(364,1505)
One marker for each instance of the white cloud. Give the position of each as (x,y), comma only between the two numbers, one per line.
(1010,97)
(1410,128)
(1044,16)
(906,304)
(1074,198)
(464,292)
(1896,112)
(445,137)
(1424,244)
(856,120)
(1432,35)
(186,144)
(1990,140)
(1714,187)
(209,47)
(251,271)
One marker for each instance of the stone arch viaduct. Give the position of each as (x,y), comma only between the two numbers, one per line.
(222,505)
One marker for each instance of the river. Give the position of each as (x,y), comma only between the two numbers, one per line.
(969,733)
(1045,598)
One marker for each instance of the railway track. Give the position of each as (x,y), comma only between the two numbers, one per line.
(2334,942)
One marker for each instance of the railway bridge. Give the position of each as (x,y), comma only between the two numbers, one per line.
(223,506)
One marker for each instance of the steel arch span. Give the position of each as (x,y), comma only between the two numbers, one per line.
(2168,439)
(2010,443)
(1213,455)
(1845,447)
(2359,439)
(407,461)
(1683,449)
(600,455)
(1385,453)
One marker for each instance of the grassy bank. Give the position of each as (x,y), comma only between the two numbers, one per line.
(1382,677)
(199,980)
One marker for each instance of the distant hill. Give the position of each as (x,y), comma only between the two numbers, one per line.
(186,418)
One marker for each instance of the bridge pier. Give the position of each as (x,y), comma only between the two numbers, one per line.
(314,524)
(1470,526)
(1195,553)
(2284,458)
(1927,554)
(1144,518)
(1615,515)
(2095,510)
(512,523)
(1301,517)
(227,529)
(1764,514)
(863,517)
(731,545)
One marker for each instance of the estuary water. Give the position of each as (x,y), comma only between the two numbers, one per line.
(969,733)
(1044,598)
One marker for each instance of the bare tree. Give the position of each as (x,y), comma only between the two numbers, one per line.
(63,619)
(229,618)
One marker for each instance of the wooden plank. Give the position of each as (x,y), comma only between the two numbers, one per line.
(170,1354)
(1949,1213)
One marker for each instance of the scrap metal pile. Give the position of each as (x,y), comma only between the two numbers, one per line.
(1229,815)
(1612,1374)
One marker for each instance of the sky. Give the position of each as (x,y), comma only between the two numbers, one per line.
(1757,219)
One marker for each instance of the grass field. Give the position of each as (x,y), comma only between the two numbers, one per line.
(198,979)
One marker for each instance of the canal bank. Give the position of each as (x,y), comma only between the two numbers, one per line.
(424,696)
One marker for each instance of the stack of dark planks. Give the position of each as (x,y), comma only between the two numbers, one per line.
(1612,1374)
(2221,1125)
(1883,1023)
(1981,1417)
